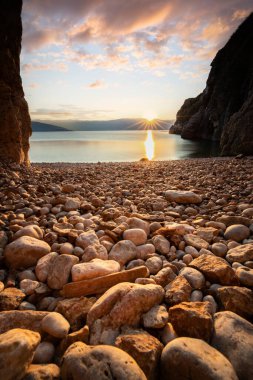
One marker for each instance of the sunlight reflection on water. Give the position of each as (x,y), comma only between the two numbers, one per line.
(113,146)
(149,145)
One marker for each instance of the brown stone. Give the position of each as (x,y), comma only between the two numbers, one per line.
(59,272)
(144,348)
(215,269)
(75,310)
(100,362)
(188,358)
(25,252)
(233,337)
(240,254)
(192,319)
(42,372)
(15,127)
(101,284)
(179,290)
(23,319)
(17,348)
(81,335)
(237,299)
(11,298)
(112,310)
(195,241)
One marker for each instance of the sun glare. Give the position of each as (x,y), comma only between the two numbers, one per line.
(150,116)
(149,145)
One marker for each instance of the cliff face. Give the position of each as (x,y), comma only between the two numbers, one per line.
(15,123)
(224,110)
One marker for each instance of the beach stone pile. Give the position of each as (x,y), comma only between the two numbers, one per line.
(127,270)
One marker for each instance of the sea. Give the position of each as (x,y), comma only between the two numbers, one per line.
(115,146)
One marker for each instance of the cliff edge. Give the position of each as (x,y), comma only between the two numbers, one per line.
(15,123)
(224,110)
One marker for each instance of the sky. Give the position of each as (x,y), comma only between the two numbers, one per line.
(110,59)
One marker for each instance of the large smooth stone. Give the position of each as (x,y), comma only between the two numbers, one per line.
(215,269)
(180,196)
(195,241)
(135,222)
(100,362)
(144,348)
(31,230)
(194,277)
(162,245)
(237,299)
(192,319)
(17,348)
(136,235)
(44,265)
(87,238)
(240,254)
(237,232)
(233,337)
(94,268)
(25,252)
(112,310)
(123,252)
(59,272)
(56,325)
(245,276)
(188,358)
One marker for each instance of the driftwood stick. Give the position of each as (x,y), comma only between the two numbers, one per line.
(101,284)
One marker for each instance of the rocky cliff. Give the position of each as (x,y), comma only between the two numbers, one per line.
(224,110)
(15,123)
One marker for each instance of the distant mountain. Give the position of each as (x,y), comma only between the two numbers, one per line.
(112,125)
(43,127)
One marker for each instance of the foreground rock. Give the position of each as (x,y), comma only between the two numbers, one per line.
(233,337)
(25,252)
(237,299)
(42,372)
(188,358)
(215,269)
(240,254)
(112,310)
(182,196)
(100,362)
(25,319)
(17,347)
(192,319)
(144,349)
(94,268)
(101,284)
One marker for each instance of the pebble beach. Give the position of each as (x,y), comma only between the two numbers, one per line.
(145,265)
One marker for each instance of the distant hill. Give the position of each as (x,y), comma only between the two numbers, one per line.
(110,125)
(43,127)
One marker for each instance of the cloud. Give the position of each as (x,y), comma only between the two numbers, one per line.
(97,84)
(73,113)
(33,85)
(28,67)
(120,35)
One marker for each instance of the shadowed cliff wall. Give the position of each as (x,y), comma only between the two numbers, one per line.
(15,123)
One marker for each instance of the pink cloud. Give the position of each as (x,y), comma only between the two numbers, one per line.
(97,84)
(143,33)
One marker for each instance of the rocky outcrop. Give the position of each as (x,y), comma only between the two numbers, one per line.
(224,110)
(15,123)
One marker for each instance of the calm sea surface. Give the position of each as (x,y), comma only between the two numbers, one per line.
(111,146)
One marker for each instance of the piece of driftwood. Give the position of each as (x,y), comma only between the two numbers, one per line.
(101,284)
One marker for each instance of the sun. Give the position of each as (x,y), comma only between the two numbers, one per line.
(150,115)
